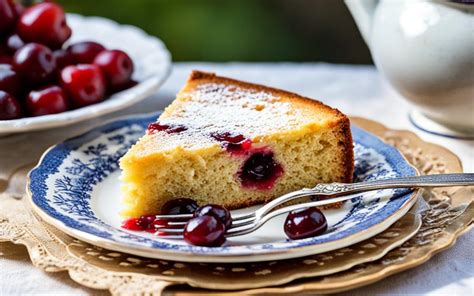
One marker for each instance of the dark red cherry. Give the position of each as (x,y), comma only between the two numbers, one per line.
(35,63)
(170,129)
(85,52)
(19,8)
(233,143)
(126,85)
(47,100)
(6,59)
(7,16)
(305,223)
(116,65)
(84,84)
(9,107)
(132,224)
(44,23)
(9,80)
(260,171)
(204,231)
(14,43)
(179,206)
(146,222)
(217,211)
(63,58)
(5,55)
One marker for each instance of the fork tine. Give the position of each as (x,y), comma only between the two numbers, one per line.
(174,217)
(185,217)
(237,223)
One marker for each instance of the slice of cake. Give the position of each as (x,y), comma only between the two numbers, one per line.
(235,144)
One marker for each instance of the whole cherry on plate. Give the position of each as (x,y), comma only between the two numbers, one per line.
(305,223)
(47,100)
(217,212)
(44,23)
(9,107)
(7,16)
(9,80)
(116,65)
(85,52)
(85,84)
(204,231)
(35,63)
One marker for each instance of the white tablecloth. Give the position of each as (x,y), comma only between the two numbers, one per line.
(355,90)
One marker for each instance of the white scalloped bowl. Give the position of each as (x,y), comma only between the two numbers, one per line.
(152,66)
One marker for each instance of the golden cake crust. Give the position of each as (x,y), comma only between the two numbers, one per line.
(197,77)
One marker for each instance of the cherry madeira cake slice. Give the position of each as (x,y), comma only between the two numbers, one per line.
(235,144)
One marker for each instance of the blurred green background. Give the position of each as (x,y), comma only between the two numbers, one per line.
(243,30)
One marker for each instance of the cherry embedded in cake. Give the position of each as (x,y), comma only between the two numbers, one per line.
(260,171)
(170,129)
(179,206)
(234,144)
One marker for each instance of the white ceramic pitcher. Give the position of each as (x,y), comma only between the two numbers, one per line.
(426,50)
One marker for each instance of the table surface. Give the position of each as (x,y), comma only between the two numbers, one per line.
(355,90)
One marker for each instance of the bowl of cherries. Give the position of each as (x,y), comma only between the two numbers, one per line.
(57,69)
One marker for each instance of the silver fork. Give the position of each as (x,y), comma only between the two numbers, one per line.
(243,224)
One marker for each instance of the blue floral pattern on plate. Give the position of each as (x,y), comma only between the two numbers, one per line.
(62,184)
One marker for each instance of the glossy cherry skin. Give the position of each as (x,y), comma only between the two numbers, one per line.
(9,80)
(305,223)
(217,211)
(63,58)
(14,43)
(179,206)
(35,63)
(84,84)
(116,65)
(7,16)
(9,107)
(47,100)
(204,231)
(44,23)
(85,52)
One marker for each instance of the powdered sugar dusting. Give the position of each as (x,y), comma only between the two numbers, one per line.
(213,108)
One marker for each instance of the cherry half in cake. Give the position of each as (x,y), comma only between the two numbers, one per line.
(170,129)
(260,171)
(235,144)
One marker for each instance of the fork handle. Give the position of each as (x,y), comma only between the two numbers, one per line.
(440,180)
(338,189)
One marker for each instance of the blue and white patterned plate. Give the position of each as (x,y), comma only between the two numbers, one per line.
(75,187)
